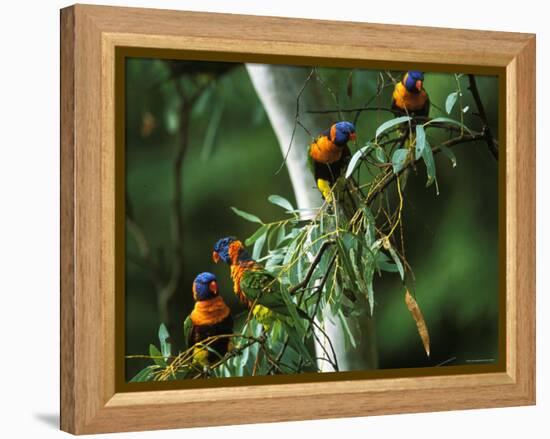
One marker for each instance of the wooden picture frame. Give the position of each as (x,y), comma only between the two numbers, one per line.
(90,36)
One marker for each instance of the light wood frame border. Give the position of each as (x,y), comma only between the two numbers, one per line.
(89,35)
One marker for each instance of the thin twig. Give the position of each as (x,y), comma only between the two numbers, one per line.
(350,110)
(481,110)
(312,267)
(296,120)
(391,176)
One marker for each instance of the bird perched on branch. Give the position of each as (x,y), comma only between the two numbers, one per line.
(210,318)
(409,96)
(260,291)
(329,155)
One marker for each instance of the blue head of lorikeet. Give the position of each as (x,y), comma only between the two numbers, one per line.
(205,287)
(227,247)
(413,81)
(342,132)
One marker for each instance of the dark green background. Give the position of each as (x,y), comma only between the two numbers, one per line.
(452,239)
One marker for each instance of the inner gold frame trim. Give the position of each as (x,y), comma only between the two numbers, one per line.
(94,39)
(121,385)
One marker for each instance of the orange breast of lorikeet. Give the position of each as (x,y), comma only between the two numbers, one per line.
(323,150)
(407,101)
(209,312)
(237,271)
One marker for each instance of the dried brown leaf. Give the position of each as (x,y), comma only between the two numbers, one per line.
(414,309)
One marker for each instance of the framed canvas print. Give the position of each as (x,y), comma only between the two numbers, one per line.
(292,218)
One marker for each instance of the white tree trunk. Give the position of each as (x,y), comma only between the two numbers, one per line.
(278,88)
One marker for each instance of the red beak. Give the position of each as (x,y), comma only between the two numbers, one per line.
(419,85)
(213,287)
(352,136)
(215,257)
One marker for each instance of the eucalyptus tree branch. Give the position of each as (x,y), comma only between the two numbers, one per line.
(276,363)
(166,288)
(312,322)
(423,119)
(280,106)
(318,289)
(312,267)
(391,176)
(380,86)
(169,289)
(184,359)
(493,148)
(279,355)
(234,353)
(334,361)
(296,120)
(350,110)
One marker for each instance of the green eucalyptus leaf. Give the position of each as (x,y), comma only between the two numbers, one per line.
(398,263)
(349,240)
(370,225)
(399,159)
(368,268)
(314,234)
(349,339)
(241,362)
(295,330)
(449,121)
(420,141)
(274,259)
(450,102)
(292,247)
(387,266)
(382,262)
(449,154)
(258,246)
(391,123)
(344,258)
(356,157)
(281,235)
(276,331)
(157,356)
(370,291)
(256,235)
(272,236)
(247,216)
(281,202)
(164,337)
(380,154)
(187,327)
(144,374)
(428,158)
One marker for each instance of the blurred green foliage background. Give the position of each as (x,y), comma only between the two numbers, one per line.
(232,158)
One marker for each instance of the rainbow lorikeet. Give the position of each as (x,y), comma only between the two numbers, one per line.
(409,96)
(260,291)
(329,155)
(210,317)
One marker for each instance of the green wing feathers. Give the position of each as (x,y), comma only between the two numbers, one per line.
(262,288)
